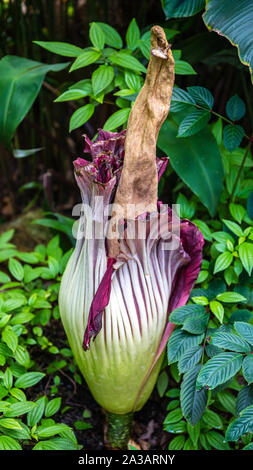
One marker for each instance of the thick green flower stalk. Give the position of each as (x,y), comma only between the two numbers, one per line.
(121,282)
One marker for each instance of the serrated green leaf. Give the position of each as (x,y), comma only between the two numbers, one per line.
(193,403)
(244,398)
(179,315)
(181,100)
(219,369)
(196,323)
(245,330)
(179,342)
(230,341)
(189,359)
(235,108)
(247,368)
(193,122)
(232,136)
(241,425)
(202,96)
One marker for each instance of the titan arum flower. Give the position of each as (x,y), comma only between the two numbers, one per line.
(121,283)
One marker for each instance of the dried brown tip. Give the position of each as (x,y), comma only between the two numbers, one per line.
(138,184)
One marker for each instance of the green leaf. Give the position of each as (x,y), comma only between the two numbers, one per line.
(97,36)
(73,94)
(247,368)
(56,443)
(8,443)
(183,68)
(230,297)
(235,108)
(112,37)
(193,122)
(246,256)
(9,423)
(132,34)
(60,48)
(219,369)
(162,383)
(223,261)
(229,341)
(28,379)
(80,116)
(241,315)
(179,342)
(35,415)
(52,407)
(229,19)
(193,403)
(127,61)
(101,78)
(196,323)
(4,278)
(203,159)
(244,398)
(235,228)
(237,211)
(133,80)
(202,96)
(20,83)
(216,440)
(245,330)
(10,338)
(182,8)
(217,309)
(86,58)
(227,400)
(212,419)
(181,100)
(180,314)
(16,269)
(48,431)
(232,136)
(189,359)
(241,425)
(18,409)
(117,119)
(177,443)
(173,417)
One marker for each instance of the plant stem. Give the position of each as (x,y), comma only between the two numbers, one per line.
(240,170)
(119,429)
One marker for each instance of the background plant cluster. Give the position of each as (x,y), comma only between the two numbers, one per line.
(208,140)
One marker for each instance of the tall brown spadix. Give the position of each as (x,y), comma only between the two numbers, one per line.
(138,184)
